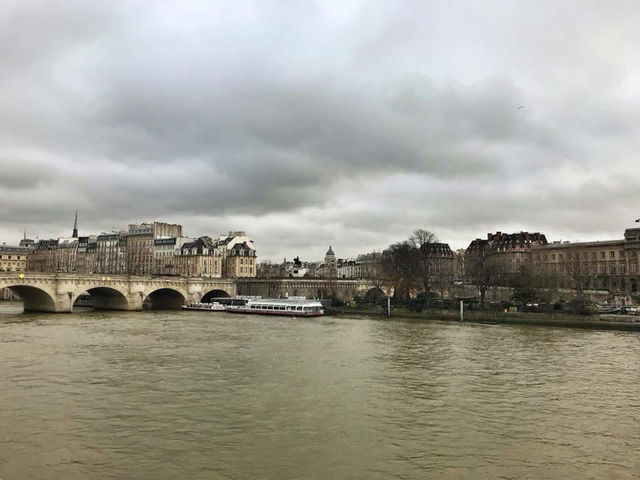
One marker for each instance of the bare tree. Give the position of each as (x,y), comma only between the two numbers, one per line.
(534,284)
(399,268)
(422,241)
(483,266)
(578,271)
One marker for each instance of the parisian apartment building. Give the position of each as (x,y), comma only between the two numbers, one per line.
(155,248)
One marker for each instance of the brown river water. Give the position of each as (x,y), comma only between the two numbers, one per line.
(197,395)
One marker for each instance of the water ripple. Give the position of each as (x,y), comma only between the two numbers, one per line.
(189,395)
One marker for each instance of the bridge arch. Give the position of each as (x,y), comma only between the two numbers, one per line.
(164,298)
(34,299)
(215,293)
(374,294)
(105,298)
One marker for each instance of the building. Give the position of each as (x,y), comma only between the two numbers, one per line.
(329,268)
(240,261)
(370,263)
(140,244)
(458,265)
(86,257)
(440,264)
(350,268)
(13,258)
(607,265)
(66,255)
(42,258)
(146,249)
(199,258)
(111,253)
(239,254)
(507,253)
(164,252)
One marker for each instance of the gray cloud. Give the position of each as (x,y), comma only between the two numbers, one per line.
(309,124)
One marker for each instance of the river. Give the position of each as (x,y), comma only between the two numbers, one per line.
(196,395)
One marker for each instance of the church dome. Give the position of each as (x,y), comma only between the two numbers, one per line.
(330,252)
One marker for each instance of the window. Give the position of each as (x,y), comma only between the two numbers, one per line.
(603,255)
(612,254)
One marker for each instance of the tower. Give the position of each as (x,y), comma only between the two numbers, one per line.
(75,226)
(330,257)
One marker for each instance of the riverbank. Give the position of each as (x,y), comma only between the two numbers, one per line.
(594,322)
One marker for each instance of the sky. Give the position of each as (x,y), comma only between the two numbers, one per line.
(316,123)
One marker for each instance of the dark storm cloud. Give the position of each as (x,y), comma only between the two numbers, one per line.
(352,121)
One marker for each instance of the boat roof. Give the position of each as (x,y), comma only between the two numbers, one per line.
(285,301)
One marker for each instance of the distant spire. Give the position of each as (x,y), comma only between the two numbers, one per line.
(25,233)
(75,226)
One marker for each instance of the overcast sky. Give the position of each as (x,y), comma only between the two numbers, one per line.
(348,123)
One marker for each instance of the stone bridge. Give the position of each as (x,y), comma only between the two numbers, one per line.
(343,289)
(57,292)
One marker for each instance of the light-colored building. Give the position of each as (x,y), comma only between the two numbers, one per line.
(140,244)
(329,267)
(111,253)
(13,258)
(240,261)
(199,258)
(608,265)
(147,249)
(239,254)
(164,252)
(66,255)
(349,268)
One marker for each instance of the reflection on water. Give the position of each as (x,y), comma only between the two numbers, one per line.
(165,395)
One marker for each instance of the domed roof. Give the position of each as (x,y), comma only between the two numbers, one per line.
(330,252)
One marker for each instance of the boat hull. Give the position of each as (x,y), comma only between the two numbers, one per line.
(204,308)
(279,313)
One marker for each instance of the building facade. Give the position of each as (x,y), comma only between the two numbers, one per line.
(608,265)
(240,261)
(13,258)
(156,248)
(505,253)
(199,258)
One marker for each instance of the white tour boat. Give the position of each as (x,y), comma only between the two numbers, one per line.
(209,307)
(280,306)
